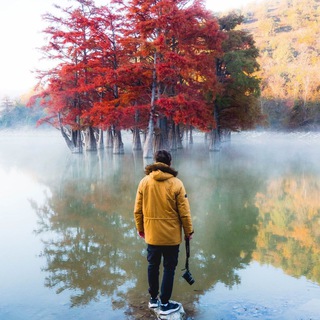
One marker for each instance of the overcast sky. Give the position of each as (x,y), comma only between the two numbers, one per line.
(20,35)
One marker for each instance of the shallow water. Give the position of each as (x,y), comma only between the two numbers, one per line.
(69,249)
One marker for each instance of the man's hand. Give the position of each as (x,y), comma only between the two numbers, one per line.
(189,236)
(141,234)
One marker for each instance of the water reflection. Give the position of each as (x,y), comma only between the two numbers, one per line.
(226,218)
(90,242)
(289,233)
(245,209)
(87,231)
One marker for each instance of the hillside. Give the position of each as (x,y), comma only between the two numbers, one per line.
(287,35)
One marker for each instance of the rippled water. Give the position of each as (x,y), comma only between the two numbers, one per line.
(69,248)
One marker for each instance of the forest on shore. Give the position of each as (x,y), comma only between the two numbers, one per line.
(286,32)
(149,70)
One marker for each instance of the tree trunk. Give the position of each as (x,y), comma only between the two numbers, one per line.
(89,139)
(144,136)
(191,135)
(175,137)
(172,136)
(215,143)
(161,135)
(99,138)
(109,142)
(136,140)
(71,137)
(148,144)
(179,137)
(117,143)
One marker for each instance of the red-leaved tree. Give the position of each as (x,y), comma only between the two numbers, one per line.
(69,87)
(176,43)
(139,65)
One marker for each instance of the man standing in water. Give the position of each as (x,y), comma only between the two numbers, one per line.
(161,211)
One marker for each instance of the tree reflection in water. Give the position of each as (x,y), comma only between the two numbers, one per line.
(90,242)
(289,233)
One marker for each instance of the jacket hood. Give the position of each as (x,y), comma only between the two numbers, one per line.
(160,171)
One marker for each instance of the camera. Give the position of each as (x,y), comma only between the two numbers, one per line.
(188,277)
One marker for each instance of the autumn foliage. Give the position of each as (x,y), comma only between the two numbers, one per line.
(288,215)
(286,34)
(131,65)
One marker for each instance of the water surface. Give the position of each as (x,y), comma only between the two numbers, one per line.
(70,250)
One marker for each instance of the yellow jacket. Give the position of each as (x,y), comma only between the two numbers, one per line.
(161,207)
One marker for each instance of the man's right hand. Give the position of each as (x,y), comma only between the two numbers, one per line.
(141,234)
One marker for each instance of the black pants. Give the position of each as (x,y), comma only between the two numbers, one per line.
(170,261)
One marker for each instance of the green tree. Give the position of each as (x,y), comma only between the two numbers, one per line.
(236,106)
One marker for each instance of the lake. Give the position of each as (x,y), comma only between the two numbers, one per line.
(69,248)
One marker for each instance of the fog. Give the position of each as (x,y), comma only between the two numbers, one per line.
(68,234)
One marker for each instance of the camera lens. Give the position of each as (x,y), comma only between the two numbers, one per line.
(188,277)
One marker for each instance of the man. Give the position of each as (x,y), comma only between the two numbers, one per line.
(161,211)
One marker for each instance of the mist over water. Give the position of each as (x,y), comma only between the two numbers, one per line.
(70,248)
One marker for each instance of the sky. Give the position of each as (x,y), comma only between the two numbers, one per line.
(20,36)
